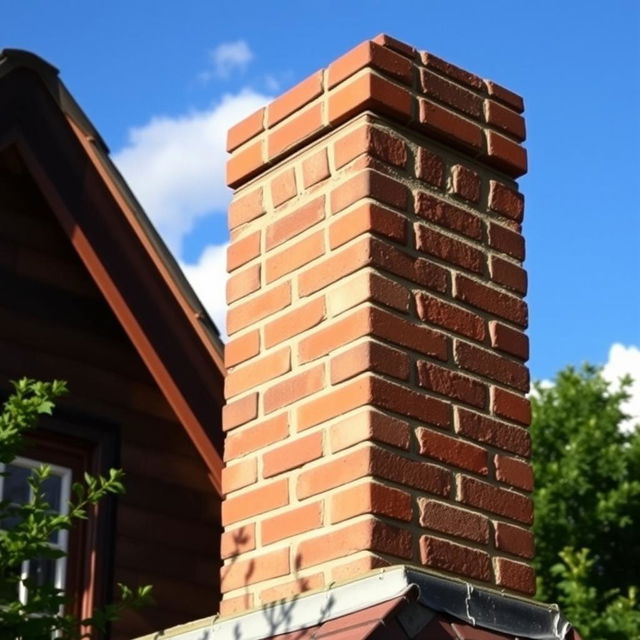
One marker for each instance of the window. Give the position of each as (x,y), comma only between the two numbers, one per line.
(15,488)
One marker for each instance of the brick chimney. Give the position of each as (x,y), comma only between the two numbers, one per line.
(376,388)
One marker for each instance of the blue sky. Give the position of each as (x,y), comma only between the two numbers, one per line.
(163,80)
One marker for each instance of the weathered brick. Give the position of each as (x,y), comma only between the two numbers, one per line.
(456,319)
(446,125)
(512,539)
(369,425)
(430,168)
(293,388)
(452,384)
(370,497)
(451,71)
(369,356)
(465,183)
(449,249)
(491,365)
(505,96)
(505,119)
(508,275)
(451,94)
(447,215)
(453,451)
(509,340)
(517,473)
(504,502)
(506,201)
(506,241)
(511,406)
(499,434)
(365,286)
(490,300)
(505,154)
(375,142)
(461,523)
(515,575)
(455,558)
(291,523)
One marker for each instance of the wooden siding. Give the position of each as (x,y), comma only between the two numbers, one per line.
(54,323)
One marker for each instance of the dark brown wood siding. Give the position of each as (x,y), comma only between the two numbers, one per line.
(54,323)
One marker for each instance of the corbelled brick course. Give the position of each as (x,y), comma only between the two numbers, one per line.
(376,389)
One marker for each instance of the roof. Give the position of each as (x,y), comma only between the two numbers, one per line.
(122,251)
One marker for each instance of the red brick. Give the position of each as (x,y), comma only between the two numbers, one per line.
(368,217)
(447,215)
(357,568)
(294,256)
(455,558)
(289,590)
(451,94)
(256,569)
(504,502)
(509,340)
(499,434)
(266,497)
(258,307)
(369,356)
(315,168)
(517,473)
(242,348)
(456,319)
(368,285)
(239,412)
(246,129)
(512,539)
(453,451)
(245,208)
(371,497)
(511,406)
(292,454)
(294,130)
(505,154)
(244,164)
(370,534)
(490,300)
(239,475)
(376,462)
(229,606)
(242,251)
(293,388)
(376,142)
(449,249)
(301,318)
(369,184)
(445,124)
(369,425)
(369,54)
(515,575)
(369,92)
(491,365)
(283,187)
(507,241)
(451,71)
(430,168)
(239,540)
(294,223)
(294,99)
(451,384)
(243,283)
(505,96)
(508,275)
(444,518)
(257,436)
(391,43)
(466,183)
(506,201)
(505,119)
(258,371)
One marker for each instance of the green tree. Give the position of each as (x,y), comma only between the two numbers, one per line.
(587,501)
(33,524)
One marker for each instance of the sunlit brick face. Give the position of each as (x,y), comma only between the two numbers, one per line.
(376,382)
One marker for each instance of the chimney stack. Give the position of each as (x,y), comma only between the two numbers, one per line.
(376,381)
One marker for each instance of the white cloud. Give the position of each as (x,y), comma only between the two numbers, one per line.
(175,165)
(228,57)
(622,361)
(208,278)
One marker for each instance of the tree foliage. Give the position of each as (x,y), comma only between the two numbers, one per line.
(33,525)
(587,500)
